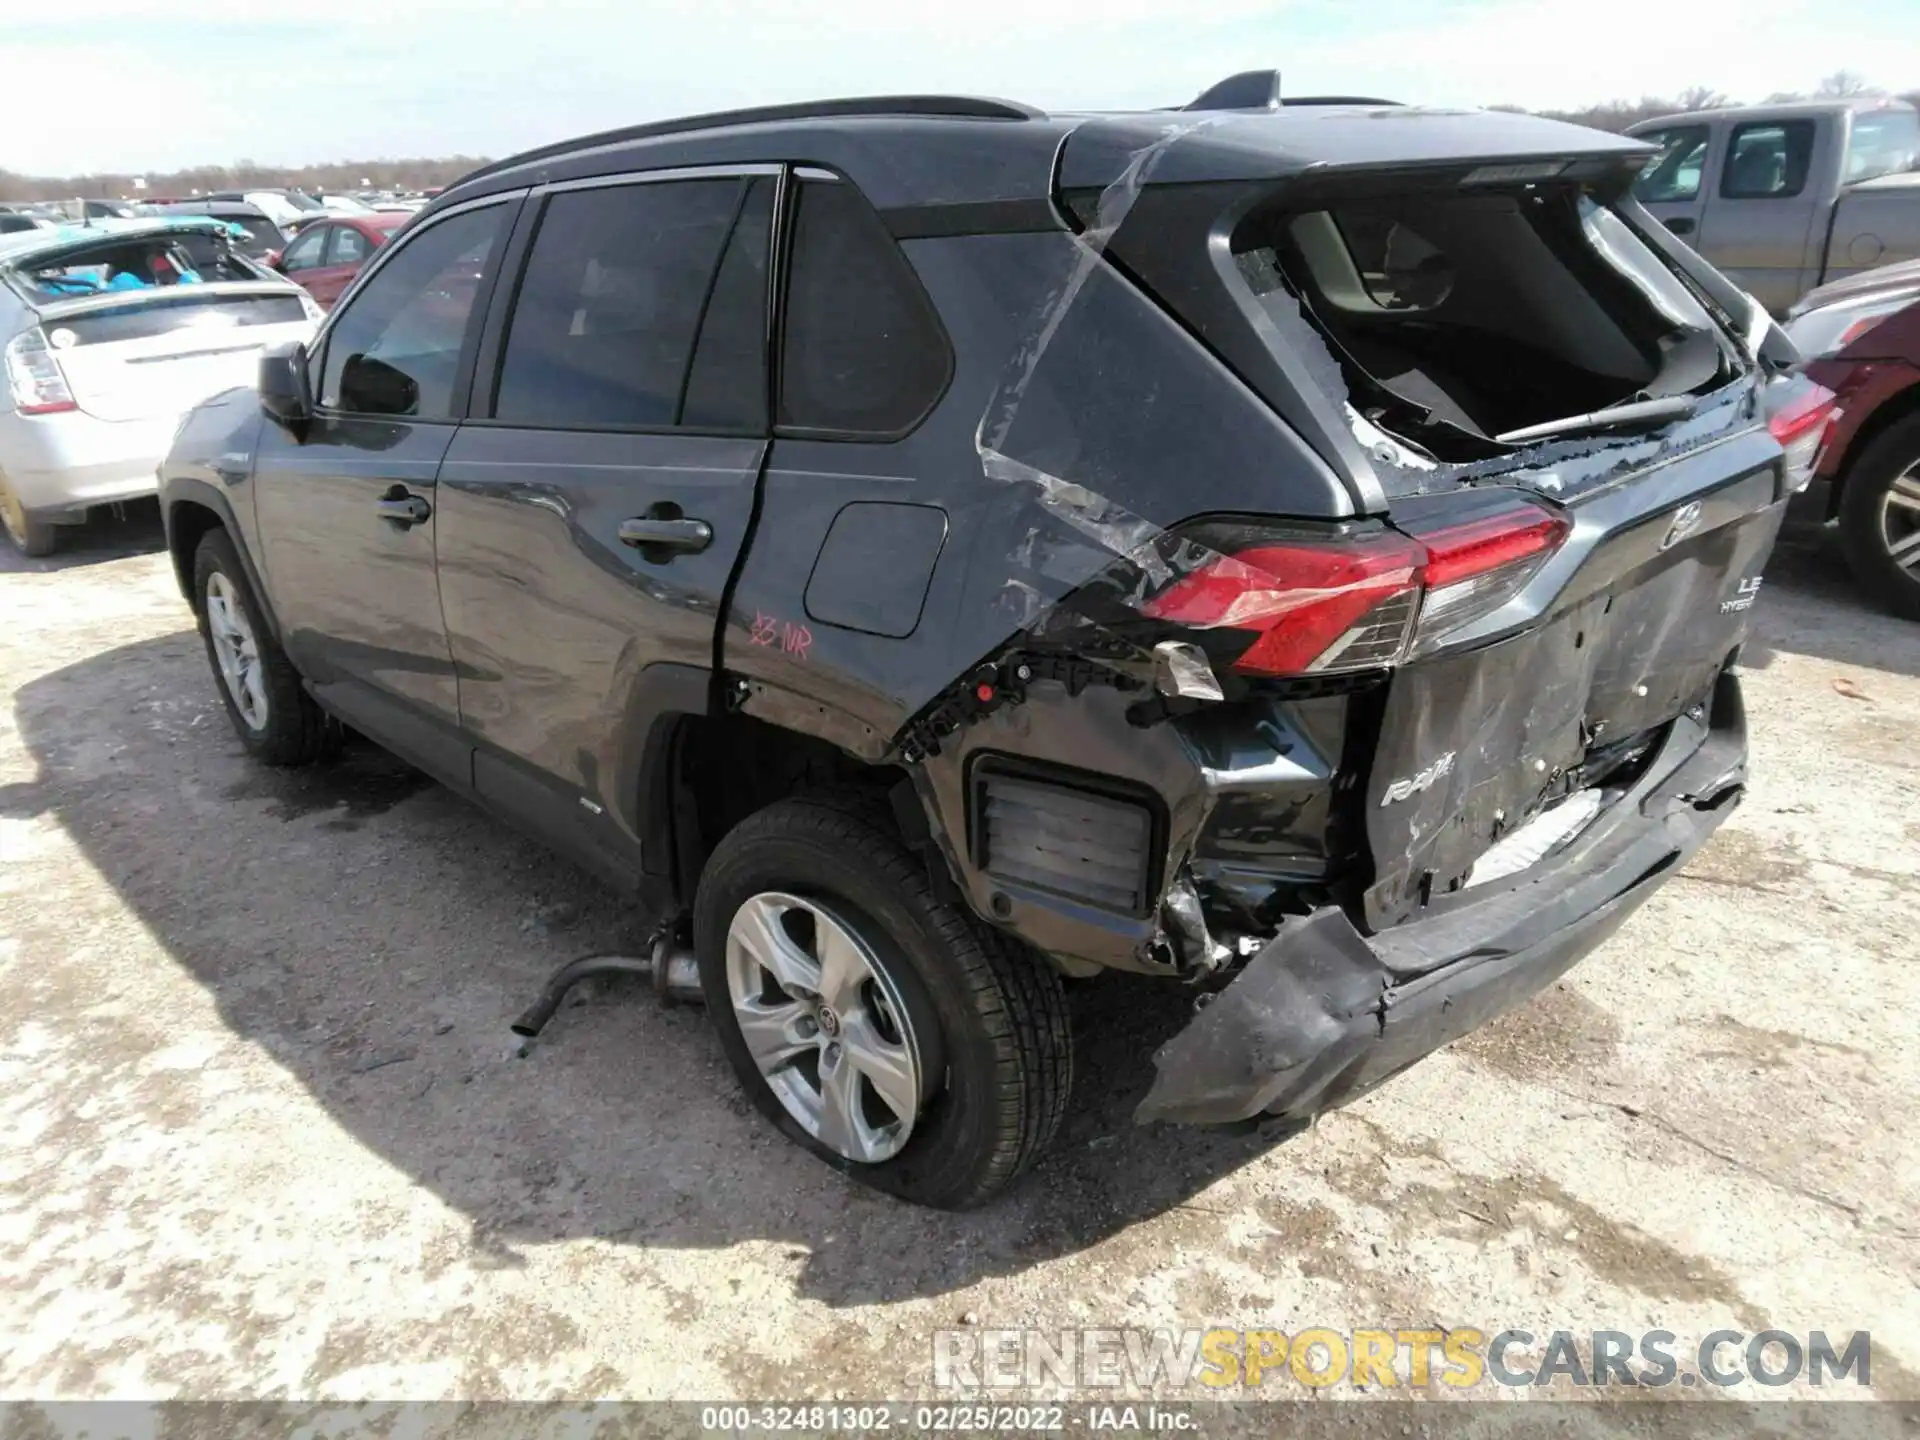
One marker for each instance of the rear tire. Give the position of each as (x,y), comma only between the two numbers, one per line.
(986,1018)
(30,535)
(272,713)
(1880,511)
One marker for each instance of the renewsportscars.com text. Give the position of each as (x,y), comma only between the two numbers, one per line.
(1462,1358)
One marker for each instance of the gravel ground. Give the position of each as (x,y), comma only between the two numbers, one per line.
(265,1135)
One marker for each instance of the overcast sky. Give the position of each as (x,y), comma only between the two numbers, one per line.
(141,84)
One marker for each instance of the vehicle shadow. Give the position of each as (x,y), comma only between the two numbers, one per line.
(375,934)
(1811,605)
(112,532)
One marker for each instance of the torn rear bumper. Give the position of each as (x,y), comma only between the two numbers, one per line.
(1323,1014)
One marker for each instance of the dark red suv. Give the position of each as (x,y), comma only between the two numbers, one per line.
(1862,339)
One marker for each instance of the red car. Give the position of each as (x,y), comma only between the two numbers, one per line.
(1861,337)
(328,253)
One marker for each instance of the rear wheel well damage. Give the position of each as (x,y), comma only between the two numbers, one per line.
(1884,418)
(711,772)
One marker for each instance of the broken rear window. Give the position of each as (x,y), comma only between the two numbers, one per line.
(151,262)
(1458,317)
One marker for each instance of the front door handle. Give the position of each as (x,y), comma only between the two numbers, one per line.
(403,509)
(1680,224)
(669,537)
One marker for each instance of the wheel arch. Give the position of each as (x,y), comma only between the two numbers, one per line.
(1890,412)
(697,773)
(190,510)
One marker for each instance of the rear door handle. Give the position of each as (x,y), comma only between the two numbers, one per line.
(1680,224)
(403,509)
(684,537)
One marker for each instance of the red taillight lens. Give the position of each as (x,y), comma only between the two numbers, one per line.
(1303,598)
(34,377)
(1800,425)
(1461,552)
(1352,603)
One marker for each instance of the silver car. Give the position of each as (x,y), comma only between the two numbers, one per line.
(109,333)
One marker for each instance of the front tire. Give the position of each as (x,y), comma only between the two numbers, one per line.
(817,932)
(272,713)
(30,535)
(1880,518)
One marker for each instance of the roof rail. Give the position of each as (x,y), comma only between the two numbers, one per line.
(1338,100)
(1260,90)
(958,107)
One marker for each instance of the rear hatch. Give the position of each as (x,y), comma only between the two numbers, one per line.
(1559,449)
(162,351)
(146,319)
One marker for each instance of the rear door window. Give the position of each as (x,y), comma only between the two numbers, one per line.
(1767,159)
(617,288)
(395,347)
(1675,172)
(865,355)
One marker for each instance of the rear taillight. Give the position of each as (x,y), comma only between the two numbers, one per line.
(34,378)
(1800,425)
(1361,601)
(1308,603)
(1475,567)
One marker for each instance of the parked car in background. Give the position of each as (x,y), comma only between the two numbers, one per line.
(261,239)
(343,205)
(325,256)
(1782,198)
(12,223)
(1862,340)
(1324,592)
(286,208)
(110,333)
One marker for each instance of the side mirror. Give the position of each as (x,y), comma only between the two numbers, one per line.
(285,392)
(274,260)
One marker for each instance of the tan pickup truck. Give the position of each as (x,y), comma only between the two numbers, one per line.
(1782,198)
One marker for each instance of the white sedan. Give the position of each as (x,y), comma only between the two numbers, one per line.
(110,332)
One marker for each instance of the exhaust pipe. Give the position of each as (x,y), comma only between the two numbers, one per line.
(672,968)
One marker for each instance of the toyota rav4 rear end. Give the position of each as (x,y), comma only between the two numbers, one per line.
(1383,498)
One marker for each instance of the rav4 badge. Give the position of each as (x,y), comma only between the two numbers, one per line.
(1414,784)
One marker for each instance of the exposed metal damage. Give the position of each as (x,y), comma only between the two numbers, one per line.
(1268,798)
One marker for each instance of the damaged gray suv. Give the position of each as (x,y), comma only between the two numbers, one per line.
(932,549)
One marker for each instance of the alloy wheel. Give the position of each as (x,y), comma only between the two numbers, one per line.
(825,1024)
(236,651)
(1900,521)
(13,516)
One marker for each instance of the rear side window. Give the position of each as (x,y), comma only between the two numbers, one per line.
(1767,160)
(1883,142)
(864,352)
(395,348)
(622,287)
(1675,171)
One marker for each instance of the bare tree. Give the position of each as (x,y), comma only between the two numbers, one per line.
(1844,85)
(1703,97)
